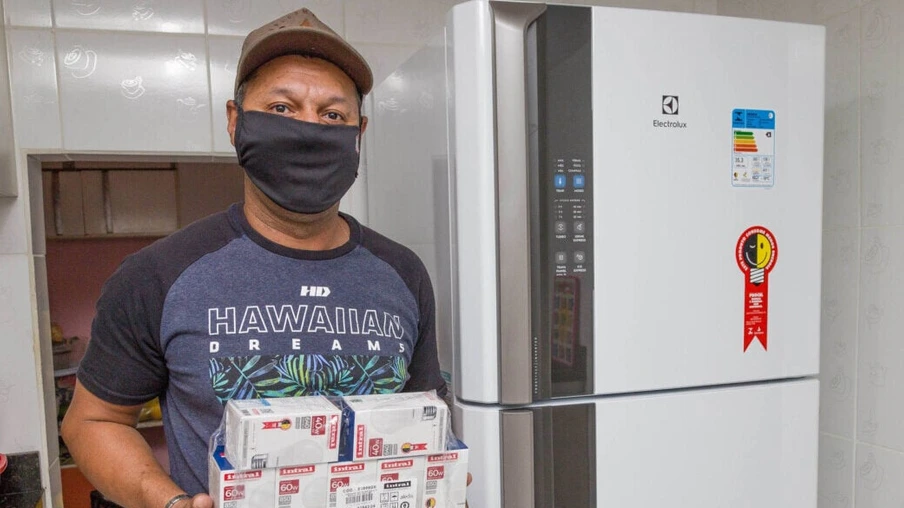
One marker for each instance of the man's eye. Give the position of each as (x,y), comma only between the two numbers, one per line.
(332,115)
(281,108)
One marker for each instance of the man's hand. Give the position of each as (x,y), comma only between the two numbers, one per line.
(114,456)
(199,501)
(468,484)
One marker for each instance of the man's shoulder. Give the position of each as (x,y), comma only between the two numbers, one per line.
(171,254)
(400,257)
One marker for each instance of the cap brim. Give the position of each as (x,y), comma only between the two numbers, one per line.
(306,41)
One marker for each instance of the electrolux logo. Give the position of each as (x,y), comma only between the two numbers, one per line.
(669,104)
(669,107)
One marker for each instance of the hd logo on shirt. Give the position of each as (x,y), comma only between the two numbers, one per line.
(319,291)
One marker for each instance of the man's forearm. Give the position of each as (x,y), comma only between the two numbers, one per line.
(117,460)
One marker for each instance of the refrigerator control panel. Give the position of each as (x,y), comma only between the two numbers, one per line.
(559,65)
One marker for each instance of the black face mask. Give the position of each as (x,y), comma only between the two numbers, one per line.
(303,167)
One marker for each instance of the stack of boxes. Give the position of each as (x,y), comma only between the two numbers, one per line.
(373,451)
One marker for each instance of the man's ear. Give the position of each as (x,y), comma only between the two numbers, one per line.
(232,114)
(363,124)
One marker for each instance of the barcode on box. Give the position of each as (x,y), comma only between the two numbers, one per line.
(359,497)
(390,449)
(429,413)
(303,422)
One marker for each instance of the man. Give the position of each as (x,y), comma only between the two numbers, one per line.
(278,296)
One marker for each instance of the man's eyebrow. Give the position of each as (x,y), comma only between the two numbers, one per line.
(286,92)
(338,99)
(283,91)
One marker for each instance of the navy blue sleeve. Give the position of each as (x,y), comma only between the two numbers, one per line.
(424,371)
(124,363)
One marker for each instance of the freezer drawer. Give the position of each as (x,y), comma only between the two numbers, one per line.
(751,446)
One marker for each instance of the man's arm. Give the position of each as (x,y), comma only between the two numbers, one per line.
(114,457)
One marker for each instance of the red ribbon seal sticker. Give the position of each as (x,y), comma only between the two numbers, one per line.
(756,253)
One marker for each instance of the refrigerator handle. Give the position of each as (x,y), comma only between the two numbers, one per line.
(511,21)
(517,459)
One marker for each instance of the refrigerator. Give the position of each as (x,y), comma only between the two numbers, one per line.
(620,211)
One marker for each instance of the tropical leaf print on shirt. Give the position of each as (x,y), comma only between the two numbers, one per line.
(248,377)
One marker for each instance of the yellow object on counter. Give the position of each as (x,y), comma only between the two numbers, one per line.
(151,411)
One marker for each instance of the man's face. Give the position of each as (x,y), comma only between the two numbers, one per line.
(307,89)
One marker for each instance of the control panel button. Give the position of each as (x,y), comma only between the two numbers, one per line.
(579,227)
(578,181)
(560,227)
(561,258)
(559,181)
(579,257)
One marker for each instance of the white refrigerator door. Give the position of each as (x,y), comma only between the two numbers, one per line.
(677,182)
(752,446)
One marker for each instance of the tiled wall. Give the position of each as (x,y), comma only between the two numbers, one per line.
(862,406)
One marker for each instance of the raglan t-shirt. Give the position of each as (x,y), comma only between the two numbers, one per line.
(216,311)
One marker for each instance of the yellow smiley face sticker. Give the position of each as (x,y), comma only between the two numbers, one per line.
(757,251)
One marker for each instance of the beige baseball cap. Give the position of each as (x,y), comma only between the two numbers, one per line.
(300,32)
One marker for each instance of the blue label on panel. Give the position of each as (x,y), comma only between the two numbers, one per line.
(753,119)
(753,148)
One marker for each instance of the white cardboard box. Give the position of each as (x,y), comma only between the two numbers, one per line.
(349,474)
(393,425)
(432,481)
(445,478)
(389,494)
(402,469)
(302,486)
(263,433)
(239,489)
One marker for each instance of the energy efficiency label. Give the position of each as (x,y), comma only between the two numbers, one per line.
(752,148)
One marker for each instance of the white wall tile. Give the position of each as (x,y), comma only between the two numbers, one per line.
(880,380)
(8,183)
(394,21)
(836,472)
(878,478)
(881,82)
(408,97)
(14,233)
(174,16)
(801,11)
(224,56)
(238,17)
(384,58)
(841,204)
(706,6)
(127,91)
(20,403)
(825,10)
(660,5)
(27,12)
(36,109)
(840,280)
